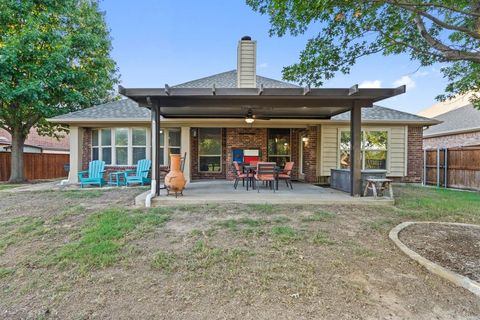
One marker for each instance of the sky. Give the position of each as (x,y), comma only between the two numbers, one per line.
(158,42)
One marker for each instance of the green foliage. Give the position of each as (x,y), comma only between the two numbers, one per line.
(164,261)
(433,31)
(284,233)
(102,238)
(15,230)
(54,58)
(319,216)
(425,203)
(5,272)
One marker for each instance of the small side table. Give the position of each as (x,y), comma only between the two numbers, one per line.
(380,185)
(115,178)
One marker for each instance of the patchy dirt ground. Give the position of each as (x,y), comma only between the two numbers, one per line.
(214,262)
(454,247)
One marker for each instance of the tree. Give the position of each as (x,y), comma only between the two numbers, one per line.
(54,58)
(430,31)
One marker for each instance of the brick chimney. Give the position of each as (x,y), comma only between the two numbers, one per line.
(247,63)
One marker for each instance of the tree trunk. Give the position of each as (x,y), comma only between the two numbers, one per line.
(18,142)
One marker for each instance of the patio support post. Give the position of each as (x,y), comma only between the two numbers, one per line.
(156,147)
(355,149)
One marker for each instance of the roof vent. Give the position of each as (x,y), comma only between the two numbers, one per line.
(246,38)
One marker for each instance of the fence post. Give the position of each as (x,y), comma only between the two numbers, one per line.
(438,167)
(445,166)
(424,180)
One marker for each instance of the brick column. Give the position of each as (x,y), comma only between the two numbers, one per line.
(310,155)
(86,147)
(414,154)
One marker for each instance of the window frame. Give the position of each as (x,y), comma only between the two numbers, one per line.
(362,146)
(210,155)
(165,148)
(289,155)
(113,145)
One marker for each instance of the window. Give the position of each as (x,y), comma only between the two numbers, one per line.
(210,149)
(279,146)
(139,144)
(170,143)
(374,149)
(102,145)
(120,146)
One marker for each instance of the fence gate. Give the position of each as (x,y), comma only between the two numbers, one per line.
(452,167)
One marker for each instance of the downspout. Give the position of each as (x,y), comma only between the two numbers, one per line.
(148,198)
(155,138)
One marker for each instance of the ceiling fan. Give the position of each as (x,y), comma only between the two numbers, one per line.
(251,117)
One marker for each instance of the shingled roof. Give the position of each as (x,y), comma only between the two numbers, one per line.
(459,120)
(122,110)
(229,80)
(378,113)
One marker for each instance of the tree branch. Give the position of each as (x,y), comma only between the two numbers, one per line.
(431,5)
(448,52)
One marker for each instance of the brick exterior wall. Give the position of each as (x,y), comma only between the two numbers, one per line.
(414,154)
(86,147)
(194,168)
(245,138)
(310,155)
(452,141)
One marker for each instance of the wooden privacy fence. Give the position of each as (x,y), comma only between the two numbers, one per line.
(36,165)
(453,167)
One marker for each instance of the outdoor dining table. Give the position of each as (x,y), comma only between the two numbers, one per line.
(250,170)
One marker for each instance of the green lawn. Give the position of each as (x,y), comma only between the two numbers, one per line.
(5,186)
(78,253)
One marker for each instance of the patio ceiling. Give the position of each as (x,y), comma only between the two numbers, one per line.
(272,103)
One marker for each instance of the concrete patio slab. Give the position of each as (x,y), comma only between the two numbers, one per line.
(222,191)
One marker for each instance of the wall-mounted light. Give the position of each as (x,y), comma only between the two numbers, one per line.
(305,139)
(194,133)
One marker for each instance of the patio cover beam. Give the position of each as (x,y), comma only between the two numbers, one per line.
(274,103)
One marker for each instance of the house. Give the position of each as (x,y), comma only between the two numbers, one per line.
(36,143)
(212,118)
(459,127)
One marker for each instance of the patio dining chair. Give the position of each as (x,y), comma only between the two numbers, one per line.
(266,173)
(237,172)
(286,174)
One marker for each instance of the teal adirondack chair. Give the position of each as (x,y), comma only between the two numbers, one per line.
(141,174)
(95,174)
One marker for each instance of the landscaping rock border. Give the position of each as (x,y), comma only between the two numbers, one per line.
(454,277)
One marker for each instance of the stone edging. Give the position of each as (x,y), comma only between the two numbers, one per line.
(454,277)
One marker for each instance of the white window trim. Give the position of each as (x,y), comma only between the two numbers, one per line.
(166,144)
(129,146)
(211,155)
(346,129)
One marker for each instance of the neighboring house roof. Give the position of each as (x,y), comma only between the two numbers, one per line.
(460,120)
(121,110)
(36,140)
(229,80)
(446,106)
(382,114)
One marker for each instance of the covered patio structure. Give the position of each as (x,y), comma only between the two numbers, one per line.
(262,103)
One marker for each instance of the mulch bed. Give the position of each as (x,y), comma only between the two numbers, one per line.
(454,247)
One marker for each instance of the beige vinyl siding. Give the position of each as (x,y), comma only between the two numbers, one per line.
(397,150)
(329,148)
